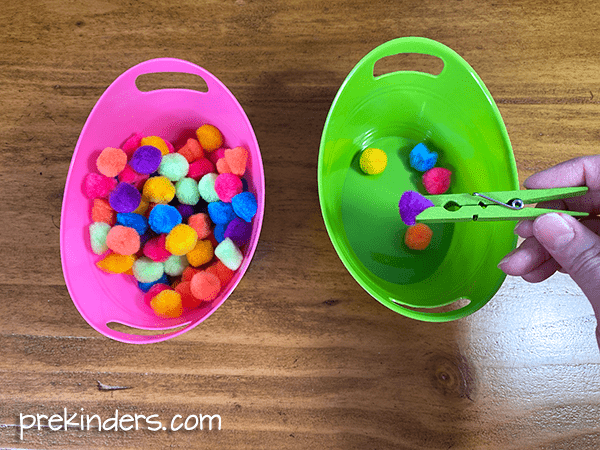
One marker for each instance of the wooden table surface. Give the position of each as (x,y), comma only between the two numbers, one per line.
(299,356)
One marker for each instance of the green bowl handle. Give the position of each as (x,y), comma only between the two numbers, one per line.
(452,60)
(445,316)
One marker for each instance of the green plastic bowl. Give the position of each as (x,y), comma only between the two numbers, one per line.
(454,114)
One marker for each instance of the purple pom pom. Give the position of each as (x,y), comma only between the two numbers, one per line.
(239,231)
(411,205)
(146,159)
(125,198)
(185,210)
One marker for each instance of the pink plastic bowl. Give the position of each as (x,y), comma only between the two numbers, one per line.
(174,114)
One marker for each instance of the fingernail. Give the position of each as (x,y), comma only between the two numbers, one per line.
(506,258)
(502,261)
(553,231)
(518,227)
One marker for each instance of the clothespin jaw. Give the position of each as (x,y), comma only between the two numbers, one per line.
(495,206)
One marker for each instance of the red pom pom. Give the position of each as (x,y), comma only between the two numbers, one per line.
(437,180)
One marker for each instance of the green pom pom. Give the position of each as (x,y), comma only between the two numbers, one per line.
(187,191)
(206,188)
(175,265)
(229,254)
(98,233)
(174,166)
(146,271)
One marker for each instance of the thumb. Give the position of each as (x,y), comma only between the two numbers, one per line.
(576,248)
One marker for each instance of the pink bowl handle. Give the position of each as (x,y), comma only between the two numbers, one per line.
(101,325)
(126,81)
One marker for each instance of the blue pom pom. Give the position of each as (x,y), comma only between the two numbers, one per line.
(245,205)
(219,232)
(221,212)
(422,159)
(146,286)
(163,218)
(132,220)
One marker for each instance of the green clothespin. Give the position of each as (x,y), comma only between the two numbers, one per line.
(488,206)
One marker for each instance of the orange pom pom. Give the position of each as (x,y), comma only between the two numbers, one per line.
(237,158)
(223,273)
(167,303)
(102,212)
(418,236)
(187,299)
(210,137)
(205,286)
(111,161)
(223,166)
(123,240)
(191,151)
(188,273)
(201,223)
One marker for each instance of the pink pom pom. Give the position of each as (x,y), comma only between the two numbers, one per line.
(169,146)
(128,175)
(216,155)
(132,144)
(98,186)
(199,168)
(437,180)
(227,186)
(155,249)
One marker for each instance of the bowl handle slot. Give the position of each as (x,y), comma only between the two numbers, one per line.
(419,45)
(408,62)
(126,82)
(146,336)
(461,307)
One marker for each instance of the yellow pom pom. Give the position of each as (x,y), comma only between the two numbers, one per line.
(143,207)
(181,239)
(167,303)
(115,263)
(159,190)
(201,254)
(210,137)
(157,142)
(373,161)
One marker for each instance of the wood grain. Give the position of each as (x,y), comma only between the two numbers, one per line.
(299,357)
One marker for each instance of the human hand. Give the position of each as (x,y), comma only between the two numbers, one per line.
(559,241)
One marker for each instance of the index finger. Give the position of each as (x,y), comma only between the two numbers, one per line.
(582,171)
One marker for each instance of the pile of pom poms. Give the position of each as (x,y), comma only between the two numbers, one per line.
(178,221)
(436,181)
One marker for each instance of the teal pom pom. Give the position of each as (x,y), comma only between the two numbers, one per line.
(229,254)
(175,265)
(187,191)
(206,188)
(98,233)
(146,271)
(146,286)
(174,166)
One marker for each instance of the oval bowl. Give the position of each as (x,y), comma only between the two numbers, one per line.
(454,114)
(173,114)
